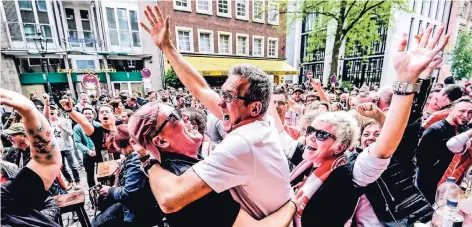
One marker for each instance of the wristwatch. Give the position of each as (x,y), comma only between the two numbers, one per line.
(402,88)
(150,163)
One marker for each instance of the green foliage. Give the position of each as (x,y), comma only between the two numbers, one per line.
(346,84)
(171,79)
(462,56)
(358,23)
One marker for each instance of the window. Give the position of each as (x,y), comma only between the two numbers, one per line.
(204,6)
(464,9)
(258,46)
(273,13)
(224,43)
(205,41)
(25,5)
(183,5)
(29,30)
(85,64)
(242,44)
(41,6)
(272,47)
(131,64)
(258,11)
(122,19)
(242,9)
(184,39)
(224,8)
(112,29)
(133,18)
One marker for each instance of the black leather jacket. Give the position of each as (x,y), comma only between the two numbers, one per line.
(394,195)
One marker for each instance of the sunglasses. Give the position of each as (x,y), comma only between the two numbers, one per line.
(175,114)
(280,103)
(319,134)
(230,97)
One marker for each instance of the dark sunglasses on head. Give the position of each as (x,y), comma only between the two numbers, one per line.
(230,97)
(319,134)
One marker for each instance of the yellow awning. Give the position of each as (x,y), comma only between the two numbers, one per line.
(211,66)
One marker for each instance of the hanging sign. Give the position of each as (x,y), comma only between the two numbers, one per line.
(90,81)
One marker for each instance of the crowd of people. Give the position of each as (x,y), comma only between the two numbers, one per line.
(250,153)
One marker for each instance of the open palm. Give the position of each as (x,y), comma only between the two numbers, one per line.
(159,27)
(411,63)
(15,100)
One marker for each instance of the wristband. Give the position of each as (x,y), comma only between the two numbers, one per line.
(150,163)
(67,111)
(293,203)
(144,158)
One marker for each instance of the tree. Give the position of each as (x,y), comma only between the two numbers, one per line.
(356,21)
(462,56)
(171,79)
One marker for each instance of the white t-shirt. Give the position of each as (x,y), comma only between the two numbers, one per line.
(250,163)
(365,215)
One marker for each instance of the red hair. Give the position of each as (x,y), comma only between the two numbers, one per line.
(120,138)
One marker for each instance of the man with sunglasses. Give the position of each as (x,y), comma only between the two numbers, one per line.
(329,176)
(249,161)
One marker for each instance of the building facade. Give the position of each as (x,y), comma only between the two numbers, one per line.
(215,35)
(376,68)
(102,38)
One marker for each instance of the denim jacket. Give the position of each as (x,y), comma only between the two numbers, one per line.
(131,181)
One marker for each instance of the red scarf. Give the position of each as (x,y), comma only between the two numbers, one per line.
(458,166)
(308,187)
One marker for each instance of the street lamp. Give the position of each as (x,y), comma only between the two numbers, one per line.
(42,46)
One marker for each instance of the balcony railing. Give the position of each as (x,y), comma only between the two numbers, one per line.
(83,40)
(21,35)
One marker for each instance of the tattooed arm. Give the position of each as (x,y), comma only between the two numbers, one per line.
(46,157)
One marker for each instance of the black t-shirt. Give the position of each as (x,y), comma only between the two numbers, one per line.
(22,199)
(213,209)
(98,138)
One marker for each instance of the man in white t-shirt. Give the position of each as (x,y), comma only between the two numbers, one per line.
(249,161)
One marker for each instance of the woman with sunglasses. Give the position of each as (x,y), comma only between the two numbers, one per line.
(330,178)
(130,202)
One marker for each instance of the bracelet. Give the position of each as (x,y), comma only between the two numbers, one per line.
(402,93)
(68,111)
(150,163)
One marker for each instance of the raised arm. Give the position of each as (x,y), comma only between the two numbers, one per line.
(188,75)
(46,157)
(295,106)
(316,84)
(409,65)
(47,109)
(460,143)
(68,106)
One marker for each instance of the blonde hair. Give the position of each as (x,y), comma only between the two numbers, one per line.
(347,129)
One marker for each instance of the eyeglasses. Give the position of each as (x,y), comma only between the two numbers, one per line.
(174,114)
(230,97)
(280,103)
(319,134)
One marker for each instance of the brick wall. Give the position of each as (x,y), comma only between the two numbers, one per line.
(217,23)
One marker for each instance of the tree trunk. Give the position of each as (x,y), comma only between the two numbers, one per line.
(337,40)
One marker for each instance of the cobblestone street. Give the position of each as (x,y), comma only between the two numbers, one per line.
(68,218)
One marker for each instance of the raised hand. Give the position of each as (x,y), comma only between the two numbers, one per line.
(409,65)
(371,110)
(46,98)
(67,104)
(315,83)
(16,101)
(159,27)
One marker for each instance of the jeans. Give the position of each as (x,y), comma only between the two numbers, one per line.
(89,165)
(68,157)
(79,157)
(112,216)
